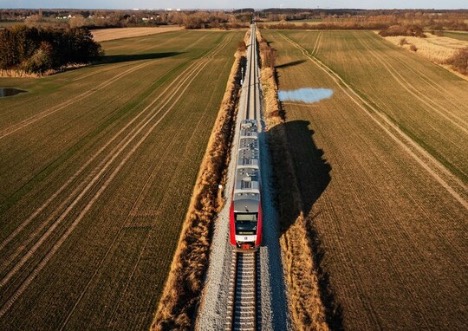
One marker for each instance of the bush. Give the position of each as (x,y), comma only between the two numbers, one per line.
(40,61)
(460,61)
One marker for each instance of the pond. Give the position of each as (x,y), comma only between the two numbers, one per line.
(307,95)
(9,91)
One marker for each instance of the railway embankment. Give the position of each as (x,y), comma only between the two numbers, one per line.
(183,289)
(305,290)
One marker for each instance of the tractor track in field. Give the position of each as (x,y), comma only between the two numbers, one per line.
(33,119)
(447,95)
(81,187)
(437,87)
(186,77)
(318,43)
(430,103)
(438,171)
(131,214)
(99,71)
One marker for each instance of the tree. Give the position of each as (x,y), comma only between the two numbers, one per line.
(38,50)
(41,60)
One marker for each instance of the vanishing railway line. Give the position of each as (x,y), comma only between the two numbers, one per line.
(243,308)
(251,83)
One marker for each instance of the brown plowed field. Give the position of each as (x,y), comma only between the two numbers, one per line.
(97,170)
(112,34)
(382,171)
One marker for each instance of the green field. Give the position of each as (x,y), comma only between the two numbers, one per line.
(97,169)
(382,170)
(457,35)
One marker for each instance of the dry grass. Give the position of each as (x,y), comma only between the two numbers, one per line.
(17,74)
(182,292)
(120,33)
(437,49)
(304,293)
(270,88)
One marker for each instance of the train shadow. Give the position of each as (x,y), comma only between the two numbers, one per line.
(312,176)
(290,64)
(135,57)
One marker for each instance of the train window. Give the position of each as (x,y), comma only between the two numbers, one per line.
(244,217)
(246,224)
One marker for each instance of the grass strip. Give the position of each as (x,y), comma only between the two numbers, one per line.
(307,309)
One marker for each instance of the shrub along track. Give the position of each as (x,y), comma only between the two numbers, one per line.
(50,233)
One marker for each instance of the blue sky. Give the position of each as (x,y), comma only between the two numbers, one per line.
(229,4)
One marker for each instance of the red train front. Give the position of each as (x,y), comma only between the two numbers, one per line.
(246,205)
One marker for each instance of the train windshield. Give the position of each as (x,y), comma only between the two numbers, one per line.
(246,224)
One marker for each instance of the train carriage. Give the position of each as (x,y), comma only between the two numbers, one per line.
(246,204)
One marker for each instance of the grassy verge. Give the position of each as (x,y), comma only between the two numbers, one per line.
(302,279)
(182,292)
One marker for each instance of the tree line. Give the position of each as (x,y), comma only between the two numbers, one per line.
(328,18)
(38,49)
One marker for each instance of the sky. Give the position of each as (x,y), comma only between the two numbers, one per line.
(229,4)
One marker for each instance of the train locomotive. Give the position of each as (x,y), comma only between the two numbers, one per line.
(245,219)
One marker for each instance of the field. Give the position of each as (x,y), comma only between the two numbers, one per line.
(382,168)
(112,34)
(97,169)
(457,35)
(434,48)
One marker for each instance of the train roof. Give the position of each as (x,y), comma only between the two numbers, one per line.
(246,195)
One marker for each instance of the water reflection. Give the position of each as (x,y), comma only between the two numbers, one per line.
(307,95)
(8,91)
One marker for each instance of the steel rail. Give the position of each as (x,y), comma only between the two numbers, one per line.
(242,307)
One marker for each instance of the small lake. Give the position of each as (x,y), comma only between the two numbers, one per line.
(9,91)
(307,95)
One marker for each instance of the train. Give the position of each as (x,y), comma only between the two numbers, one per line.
(245,219)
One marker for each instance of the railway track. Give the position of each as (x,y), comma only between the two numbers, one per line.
(251,82)
(243,306)
(243,312)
